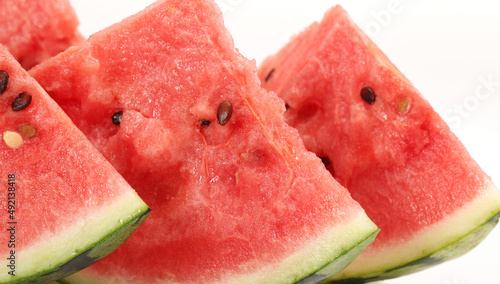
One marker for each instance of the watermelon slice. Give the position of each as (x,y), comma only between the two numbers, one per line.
(34,30)
(235,195)
(383,141)
(64,205)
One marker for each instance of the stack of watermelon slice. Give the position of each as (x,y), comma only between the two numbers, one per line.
(235,195)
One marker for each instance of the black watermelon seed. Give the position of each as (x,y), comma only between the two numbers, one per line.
(287,106)
(326,161)
(224,112)
(4,81)
(368,95)
(205,122)
(21,102)
(269,75)
(117,117)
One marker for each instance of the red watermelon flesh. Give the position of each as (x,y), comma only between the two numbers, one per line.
(64,205)
(383,141)
(34,30)
(235,199)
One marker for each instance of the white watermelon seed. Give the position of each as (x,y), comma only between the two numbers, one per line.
(12,139)
(403,104)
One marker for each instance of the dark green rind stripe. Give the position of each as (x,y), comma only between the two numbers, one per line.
(89,256)
(340,263)
(454,250)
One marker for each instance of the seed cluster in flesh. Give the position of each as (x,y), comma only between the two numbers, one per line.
(14,139)
(224,111)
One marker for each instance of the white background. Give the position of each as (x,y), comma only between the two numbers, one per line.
(447,49)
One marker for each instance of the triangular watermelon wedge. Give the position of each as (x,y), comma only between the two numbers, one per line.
(64,206)
(235,196)
(382,140)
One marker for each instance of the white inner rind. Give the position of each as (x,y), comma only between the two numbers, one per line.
(94,225)
(327,248)
(312,257)
(431,240)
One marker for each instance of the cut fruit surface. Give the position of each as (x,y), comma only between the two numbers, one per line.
(34,30)
(383,141)
(65,206)
(235,195)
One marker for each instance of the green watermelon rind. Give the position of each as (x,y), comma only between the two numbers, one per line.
(95,251)
(452,251)
(342,261)
(453,248)
(110,244)
(354,236)
(107,245)
(329,254)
